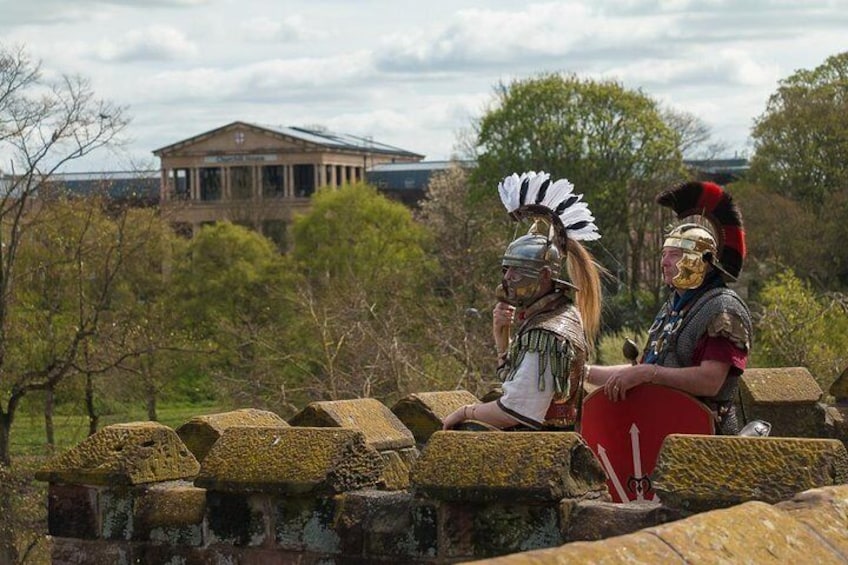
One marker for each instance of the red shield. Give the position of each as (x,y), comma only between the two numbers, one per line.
(626,435)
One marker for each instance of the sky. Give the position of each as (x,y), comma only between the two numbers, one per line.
(413,74)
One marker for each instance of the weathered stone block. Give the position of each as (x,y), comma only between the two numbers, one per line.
(116,510)
(306,524)
(382,429)
(591,520)
(170,513)
(395,474)
(488,530)
(201,432)
(507,467)
(836,423)
(825,511)
(786,397)
(640,548)
(124,454)
(290,461)
(386,525)
(753,532)
(85,552)
(424,412)
(72,511)
(698,473)
(238,519)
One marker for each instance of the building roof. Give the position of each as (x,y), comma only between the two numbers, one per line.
(315,136)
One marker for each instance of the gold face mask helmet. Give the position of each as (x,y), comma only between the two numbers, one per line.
(699,250)
(722,245)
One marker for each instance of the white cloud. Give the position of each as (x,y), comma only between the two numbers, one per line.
(154,43)
(266,29)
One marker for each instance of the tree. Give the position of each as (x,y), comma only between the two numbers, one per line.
(230,289)
(612,143)
(43,126)
(799,327)
(365,295)
(801,140)
(469,242)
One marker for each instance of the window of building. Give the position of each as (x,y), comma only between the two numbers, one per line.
(272,181)
(241,183)
(210,183)
(275,230)
(181,182)
(304,180)
(340,178)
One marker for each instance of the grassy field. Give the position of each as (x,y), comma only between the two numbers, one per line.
(29,438)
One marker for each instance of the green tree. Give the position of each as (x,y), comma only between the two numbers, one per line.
(612,143)
(469,243)
(799,327)
(364,297)
(230,289)
(801,140)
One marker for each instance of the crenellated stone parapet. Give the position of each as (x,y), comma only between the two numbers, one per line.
(343,482)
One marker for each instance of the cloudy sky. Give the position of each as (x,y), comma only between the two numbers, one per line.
(412,73)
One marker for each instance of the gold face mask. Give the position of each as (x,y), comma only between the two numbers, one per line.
(698,246)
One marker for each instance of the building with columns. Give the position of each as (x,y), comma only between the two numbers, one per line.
(261,176)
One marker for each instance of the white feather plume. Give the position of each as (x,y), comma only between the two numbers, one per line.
(558,201)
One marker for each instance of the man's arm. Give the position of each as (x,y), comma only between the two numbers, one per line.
(705,379)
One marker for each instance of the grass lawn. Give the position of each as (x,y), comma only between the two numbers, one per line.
(28,435)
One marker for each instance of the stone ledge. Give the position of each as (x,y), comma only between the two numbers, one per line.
(698,473)
(290,461)
(382,429)
(511,466)
(124,455)
(201,432)
(779,385)
(424,412)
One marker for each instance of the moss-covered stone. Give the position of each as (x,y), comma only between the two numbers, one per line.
(753,532)
(395,474)
(698,473)
(382,429)
(290,461)
(780,385)
(825,511)
(424,412)
(786,397)
(507,467)
(124,454)
(201,432)
(171,512)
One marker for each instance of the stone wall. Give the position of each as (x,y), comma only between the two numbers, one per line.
(356,482)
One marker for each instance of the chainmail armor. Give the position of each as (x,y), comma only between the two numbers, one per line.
(681,345)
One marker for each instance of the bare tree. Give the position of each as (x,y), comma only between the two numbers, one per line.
(43,127)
